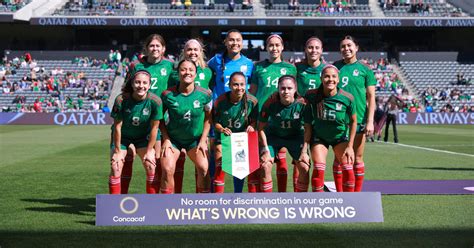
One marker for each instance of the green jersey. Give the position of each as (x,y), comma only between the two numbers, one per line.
(234,115)
(331,123)
(283,121)
(308,77)
(355,78)
(160,73)
(186,113)
(136,116)
(203,77)
(265,77)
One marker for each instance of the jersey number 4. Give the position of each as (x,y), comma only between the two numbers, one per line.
(187,115)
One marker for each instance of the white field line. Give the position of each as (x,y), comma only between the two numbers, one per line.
(429,149)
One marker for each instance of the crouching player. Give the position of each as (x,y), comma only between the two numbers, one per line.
(330,120)
(137,114)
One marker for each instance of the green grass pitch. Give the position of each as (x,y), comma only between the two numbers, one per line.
(51,174)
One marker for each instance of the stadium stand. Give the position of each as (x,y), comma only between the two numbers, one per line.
(197,8)
(78,85)
(440,85)
(316,8)
(12,5)
(97,8)
(427,8)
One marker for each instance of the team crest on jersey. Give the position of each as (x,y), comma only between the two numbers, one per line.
(355,73)
(243,68)
(338,106)
(283,71)
(146,111)
(296,115)
(163,71)
(202,76)
(196,104)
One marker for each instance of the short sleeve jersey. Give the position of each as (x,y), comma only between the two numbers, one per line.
(160,73)
(308,77)
(136,116)
(265,77)
(186,113)
(283,121)
(334,120)
(222,71)
(203,77)
(233,115)
(355,78)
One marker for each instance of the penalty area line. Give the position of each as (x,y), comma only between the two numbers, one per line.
(430,149)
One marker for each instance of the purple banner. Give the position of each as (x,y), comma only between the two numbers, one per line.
(246,208)
(79,118)
(435,118)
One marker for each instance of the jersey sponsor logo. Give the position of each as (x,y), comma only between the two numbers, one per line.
(355,73)
(283,71)
(202,76)
(146,111)
(296,115)
(338,106)
(163,71)
(196,104)
(243,68)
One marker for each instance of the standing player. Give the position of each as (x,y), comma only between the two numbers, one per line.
(265,77)
(327,115)
(189,109)
(193,50)
(359,80)
(137,114)
(234,111)
(309,70)
(280,125)
(160,69)
(223,65)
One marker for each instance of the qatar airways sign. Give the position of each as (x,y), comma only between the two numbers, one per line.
(80,118)
(435,118)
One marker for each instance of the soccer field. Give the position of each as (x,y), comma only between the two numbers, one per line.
(51,175)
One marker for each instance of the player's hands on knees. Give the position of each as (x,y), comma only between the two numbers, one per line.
(250,129)
(166,148)
(369,129)
(116,158)
(304,159)
(202,147)
(349,155)
(150,157)
(227,131)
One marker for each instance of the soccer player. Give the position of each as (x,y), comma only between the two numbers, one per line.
(137,114)
(223,65)
(359,80)
(194,51)
(234,111)
(160,69)
(189,108)
(265,77)
(280,125)
(309,70)
(330,120)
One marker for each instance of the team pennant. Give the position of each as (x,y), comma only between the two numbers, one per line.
(240,154)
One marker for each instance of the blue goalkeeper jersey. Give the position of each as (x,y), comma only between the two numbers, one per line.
(222,72)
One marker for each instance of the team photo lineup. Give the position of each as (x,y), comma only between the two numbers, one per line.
(168,111)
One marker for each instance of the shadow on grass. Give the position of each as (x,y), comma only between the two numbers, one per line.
(243,235)
(76,206)
(442,168)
